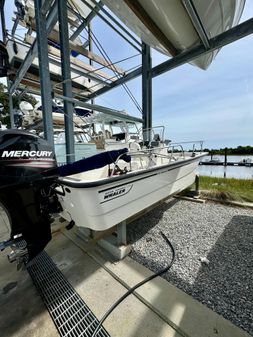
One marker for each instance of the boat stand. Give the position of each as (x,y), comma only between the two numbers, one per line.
(113,240)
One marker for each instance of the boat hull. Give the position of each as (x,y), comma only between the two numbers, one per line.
(105,203)
(17,53)
(173,23)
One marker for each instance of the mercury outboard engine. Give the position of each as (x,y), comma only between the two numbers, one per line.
(27,175)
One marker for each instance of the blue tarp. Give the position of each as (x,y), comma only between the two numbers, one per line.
(94,162)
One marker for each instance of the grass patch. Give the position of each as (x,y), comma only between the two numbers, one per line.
(226,188)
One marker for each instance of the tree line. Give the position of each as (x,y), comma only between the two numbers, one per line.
(239,150)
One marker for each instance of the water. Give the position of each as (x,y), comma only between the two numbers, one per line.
(239,172)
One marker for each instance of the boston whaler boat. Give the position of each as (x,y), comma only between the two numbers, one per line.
(97,192)
(107,194)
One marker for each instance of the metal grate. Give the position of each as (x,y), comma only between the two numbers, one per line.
(71,316)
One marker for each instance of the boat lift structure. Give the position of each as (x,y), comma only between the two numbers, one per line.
(47,14)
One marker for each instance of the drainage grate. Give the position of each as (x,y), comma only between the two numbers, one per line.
(70,314)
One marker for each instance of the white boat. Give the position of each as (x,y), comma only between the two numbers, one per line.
(102,197)
(81,81)
(100,133)
(167,25)
(94,131)
(84,146)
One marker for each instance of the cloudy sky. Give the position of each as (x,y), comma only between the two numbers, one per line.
(215,105)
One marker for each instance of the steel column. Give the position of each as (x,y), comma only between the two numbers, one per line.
(11,105)
(66,78)
(146,92)
(45,83)
(33,51)
(90,49)
(4,34)
(124,79)
(85,22)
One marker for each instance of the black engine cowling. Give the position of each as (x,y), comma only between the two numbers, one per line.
(27,174)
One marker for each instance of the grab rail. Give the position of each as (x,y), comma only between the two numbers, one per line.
(153,153)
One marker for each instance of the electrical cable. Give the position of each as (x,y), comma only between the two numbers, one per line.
(131,290)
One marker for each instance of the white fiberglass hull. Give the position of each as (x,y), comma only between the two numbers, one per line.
(103,203)
(18,53)
(166,25)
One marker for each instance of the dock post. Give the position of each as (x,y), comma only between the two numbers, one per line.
(226,155)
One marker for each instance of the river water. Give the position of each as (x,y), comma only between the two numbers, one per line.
(239,172)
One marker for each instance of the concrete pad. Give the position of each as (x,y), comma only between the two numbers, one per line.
(100,290)
(181,311)
(22,313)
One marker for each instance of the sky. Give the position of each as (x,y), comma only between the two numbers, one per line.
(215,105)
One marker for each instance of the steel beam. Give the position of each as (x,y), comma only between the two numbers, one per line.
(196,21)
(100,108)
(33,52)
(86,21)
(117,23)
(114,26)
(146,92)
(81,73)
(4,34)
(66,78)
(124,79)
(45,83)
(234,34)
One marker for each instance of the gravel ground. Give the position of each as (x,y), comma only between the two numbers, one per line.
(221,234)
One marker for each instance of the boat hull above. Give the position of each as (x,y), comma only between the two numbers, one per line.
(166,25)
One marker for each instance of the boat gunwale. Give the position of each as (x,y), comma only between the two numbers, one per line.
(81,184)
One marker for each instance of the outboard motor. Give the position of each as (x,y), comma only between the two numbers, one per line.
(28,171)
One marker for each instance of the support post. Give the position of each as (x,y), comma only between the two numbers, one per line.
(45,83)
(197,185)
(121,233)
(146,92)
(11,105)
(4,37)
(90,49)
(66,78)
(4,33)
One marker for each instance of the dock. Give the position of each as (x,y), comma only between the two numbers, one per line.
(214,163)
